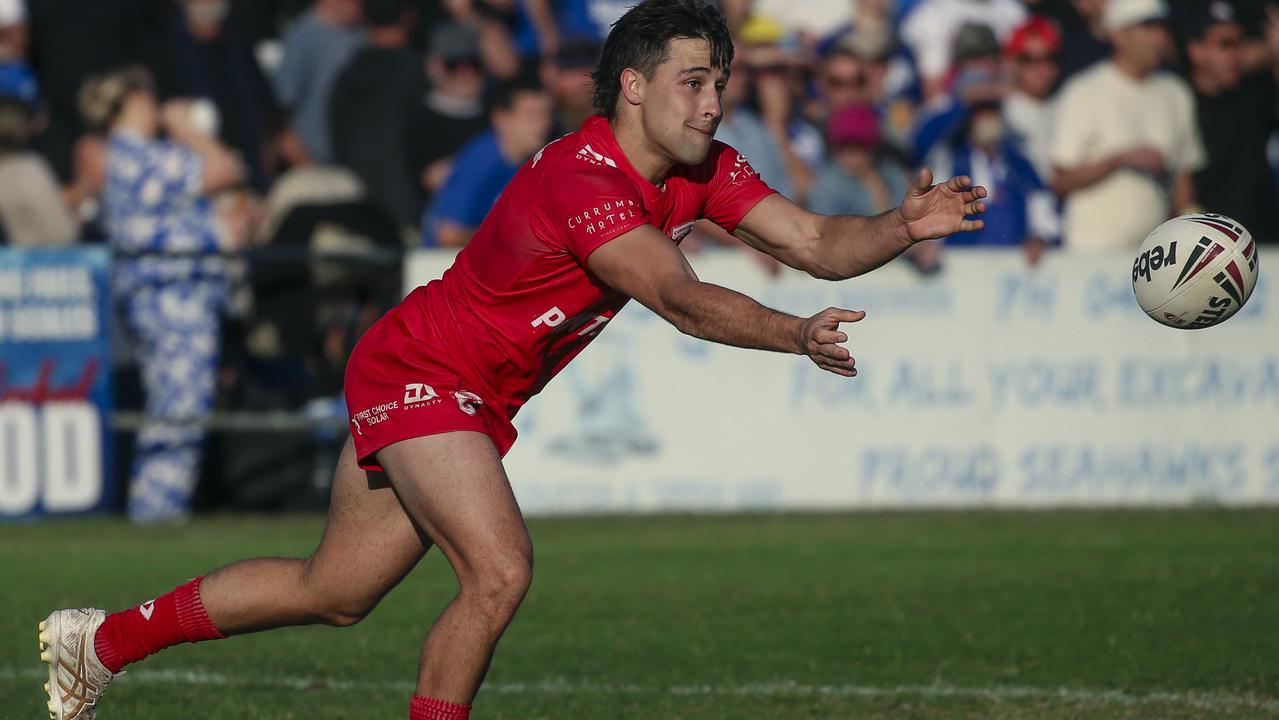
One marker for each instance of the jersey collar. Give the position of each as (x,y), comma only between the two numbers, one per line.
(600,136)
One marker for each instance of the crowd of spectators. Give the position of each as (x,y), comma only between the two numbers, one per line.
(183,128)
(1090,120)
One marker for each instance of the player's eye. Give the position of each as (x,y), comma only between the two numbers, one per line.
(695,84)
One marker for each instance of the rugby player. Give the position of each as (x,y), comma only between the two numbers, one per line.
(591,221)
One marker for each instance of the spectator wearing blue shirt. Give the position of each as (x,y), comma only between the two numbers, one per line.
(521,116)
(1020,210)
(168,282)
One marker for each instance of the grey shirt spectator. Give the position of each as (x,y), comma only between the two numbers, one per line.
(315,51)
(859,179)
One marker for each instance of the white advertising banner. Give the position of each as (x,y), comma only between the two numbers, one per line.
(990,384)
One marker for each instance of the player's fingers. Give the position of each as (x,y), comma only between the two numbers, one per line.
(958,183)
(974,208)
(842,315)
(925,182)
(838,369)
(829,337)
(834,352)
(971,225)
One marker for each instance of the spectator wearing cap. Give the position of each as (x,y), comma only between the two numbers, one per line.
(933,28)
(1031,54)
(860,178)
(1084,40)
(741,127)
(13,31)
(373,102)
(170,286)
(490,21)
(453,112)
(316,48)
(568,78)
(1237,114)
(810,20)
(774,68)
(521,113)
(26,117)
(1125,139)
(977,77)
(33,210)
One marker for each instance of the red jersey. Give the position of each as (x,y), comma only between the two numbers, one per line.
(520,302)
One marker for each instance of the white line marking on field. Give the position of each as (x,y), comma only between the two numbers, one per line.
(564,686)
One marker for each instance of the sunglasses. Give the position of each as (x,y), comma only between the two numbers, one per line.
(453,64)
(846,81)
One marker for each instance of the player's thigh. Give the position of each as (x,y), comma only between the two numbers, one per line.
(370,543)
(456,488)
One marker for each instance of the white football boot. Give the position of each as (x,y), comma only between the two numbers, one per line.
(76,676)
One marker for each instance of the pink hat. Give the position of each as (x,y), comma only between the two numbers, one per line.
(854,124)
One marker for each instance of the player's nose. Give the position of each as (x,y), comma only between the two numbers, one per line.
(713,109)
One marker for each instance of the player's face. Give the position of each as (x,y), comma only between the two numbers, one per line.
(682,103)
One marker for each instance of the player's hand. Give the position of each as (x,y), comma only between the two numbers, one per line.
(820,337)
(935,211)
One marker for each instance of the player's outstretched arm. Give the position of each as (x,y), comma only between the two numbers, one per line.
(844,246)
(644,264)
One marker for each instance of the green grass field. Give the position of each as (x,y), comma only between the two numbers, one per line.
(933,615)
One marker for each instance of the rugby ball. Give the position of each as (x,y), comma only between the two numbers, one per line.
(1195,271)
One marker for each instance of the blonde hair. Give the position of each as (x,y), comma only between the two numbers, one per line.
(101,97)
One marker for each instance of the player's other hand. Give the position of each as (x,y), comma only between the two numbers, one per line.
(935,211)
(820,337)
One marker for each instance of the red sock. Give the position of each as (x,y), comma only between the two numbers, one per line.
(425,708)
(175,617)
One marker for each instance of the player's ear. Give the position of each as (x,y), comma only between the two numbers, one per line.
(633,85)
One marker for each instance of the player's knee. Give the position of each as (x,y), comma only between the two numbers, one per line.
(500,584)
(344,612)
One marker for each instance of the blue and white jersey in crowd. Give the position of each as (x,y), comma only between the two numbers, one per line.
(589,18)
(152,205)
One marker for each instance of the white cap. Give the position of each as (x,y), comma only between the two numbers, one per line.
(1124,13)
(12,12)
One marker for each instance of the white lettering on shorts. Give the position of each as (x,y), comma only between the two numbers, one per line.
(374,415)
(418,392)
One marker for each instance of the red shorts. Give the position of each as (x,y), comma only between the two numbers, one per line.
(398,387)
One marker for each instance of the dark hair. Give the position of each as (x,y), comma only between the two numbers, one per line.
(501,95)
(641,40)
(384,13)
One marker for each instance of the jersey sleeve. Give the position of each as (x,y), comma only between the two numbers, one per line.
(590,208)
(734,189)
